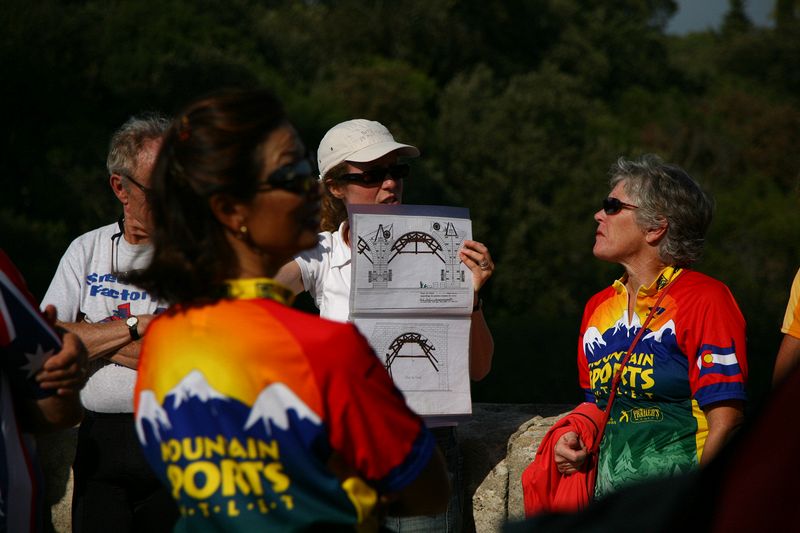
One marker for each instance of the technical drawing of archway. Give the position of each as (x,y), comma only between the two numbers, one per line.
(400,342)
(409,243)
(415,353)
(403,253)
(381,241)
(443,241)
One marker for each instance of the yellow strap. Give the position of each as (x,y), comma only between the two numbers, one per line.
(259,288)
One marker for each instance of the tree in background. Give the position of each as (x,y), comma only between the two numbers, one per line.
(519,109)
(736,19)
(787,13)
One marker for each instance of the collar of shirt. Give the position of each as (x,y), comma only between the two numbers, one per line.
(659,283)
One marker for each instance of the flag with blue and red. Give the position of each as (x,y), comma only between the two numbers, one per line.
(27,340)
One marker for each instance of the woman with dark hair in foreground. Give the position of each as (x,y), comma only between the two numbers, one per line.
(257,416)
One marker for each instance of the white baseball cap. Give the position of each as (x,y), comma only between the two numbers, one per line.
(359,141)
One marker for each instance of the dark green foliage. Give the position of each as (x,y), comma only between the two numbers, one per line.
(736,20)
(519,108)
(787,14)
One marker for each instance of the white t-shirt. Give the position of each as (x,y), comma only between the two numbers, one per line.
(85,288)
(326,275)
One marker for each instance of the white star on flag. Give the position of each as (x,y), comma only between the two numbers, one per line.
(36,360)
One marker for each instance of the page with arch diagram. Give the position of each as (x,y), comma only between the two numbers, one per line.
(411,296)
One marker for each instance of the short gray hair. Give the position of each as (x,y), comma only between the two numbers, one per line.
(128,140)
(665,192)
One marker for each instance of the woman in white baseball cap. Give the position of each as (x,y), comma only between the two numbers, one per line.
(360,163)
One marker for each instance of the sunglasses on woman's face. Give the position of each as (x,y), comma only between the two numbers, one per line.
(297,177)
(377,175)
(612,205)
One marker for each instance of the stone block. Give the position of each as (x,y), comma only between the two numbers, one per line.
(497,444)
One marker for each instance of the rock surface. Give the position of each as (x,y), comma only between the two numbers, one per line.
(496,446)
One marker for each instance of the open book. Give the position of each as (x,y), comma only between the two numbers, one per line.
(411,296)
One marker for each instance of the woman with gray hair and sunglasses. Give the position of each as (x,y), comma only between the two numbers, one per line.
(359,163)
(681,392)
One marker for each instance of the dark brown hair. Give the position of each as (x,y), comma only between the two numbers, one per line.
(214,145)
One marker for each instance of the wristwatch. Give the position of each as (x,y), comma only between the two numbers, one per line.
(133,323)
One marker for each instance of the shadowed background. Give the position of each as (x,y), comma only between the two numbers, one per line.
(519,108)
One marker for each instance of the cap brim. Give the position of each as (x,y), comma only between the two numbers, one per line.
(376,151)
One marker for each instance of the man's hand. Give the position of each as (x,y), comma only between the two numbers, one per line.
(66,370)
(66,373)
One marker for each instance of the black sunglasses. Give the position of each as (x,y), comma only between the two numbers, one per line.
(297,177)
(612,205)
(148,192)
(377,175)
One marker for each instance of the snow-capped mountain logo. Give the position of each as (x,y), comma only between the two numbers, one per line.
(592,340)
(272,406)
(623,323)
(194,385)
(150,410)
(659,333)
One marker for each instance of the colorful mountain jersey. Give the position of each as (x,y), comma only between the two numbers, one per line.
(691,356)
(261,418)
(791,320)
(26,341)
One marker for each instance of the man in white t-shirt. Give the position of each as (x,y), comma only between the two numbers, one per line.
(114,487)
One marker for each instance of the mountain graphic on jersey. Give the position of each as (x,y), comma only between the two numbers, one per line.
(605,350)
(225,460)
